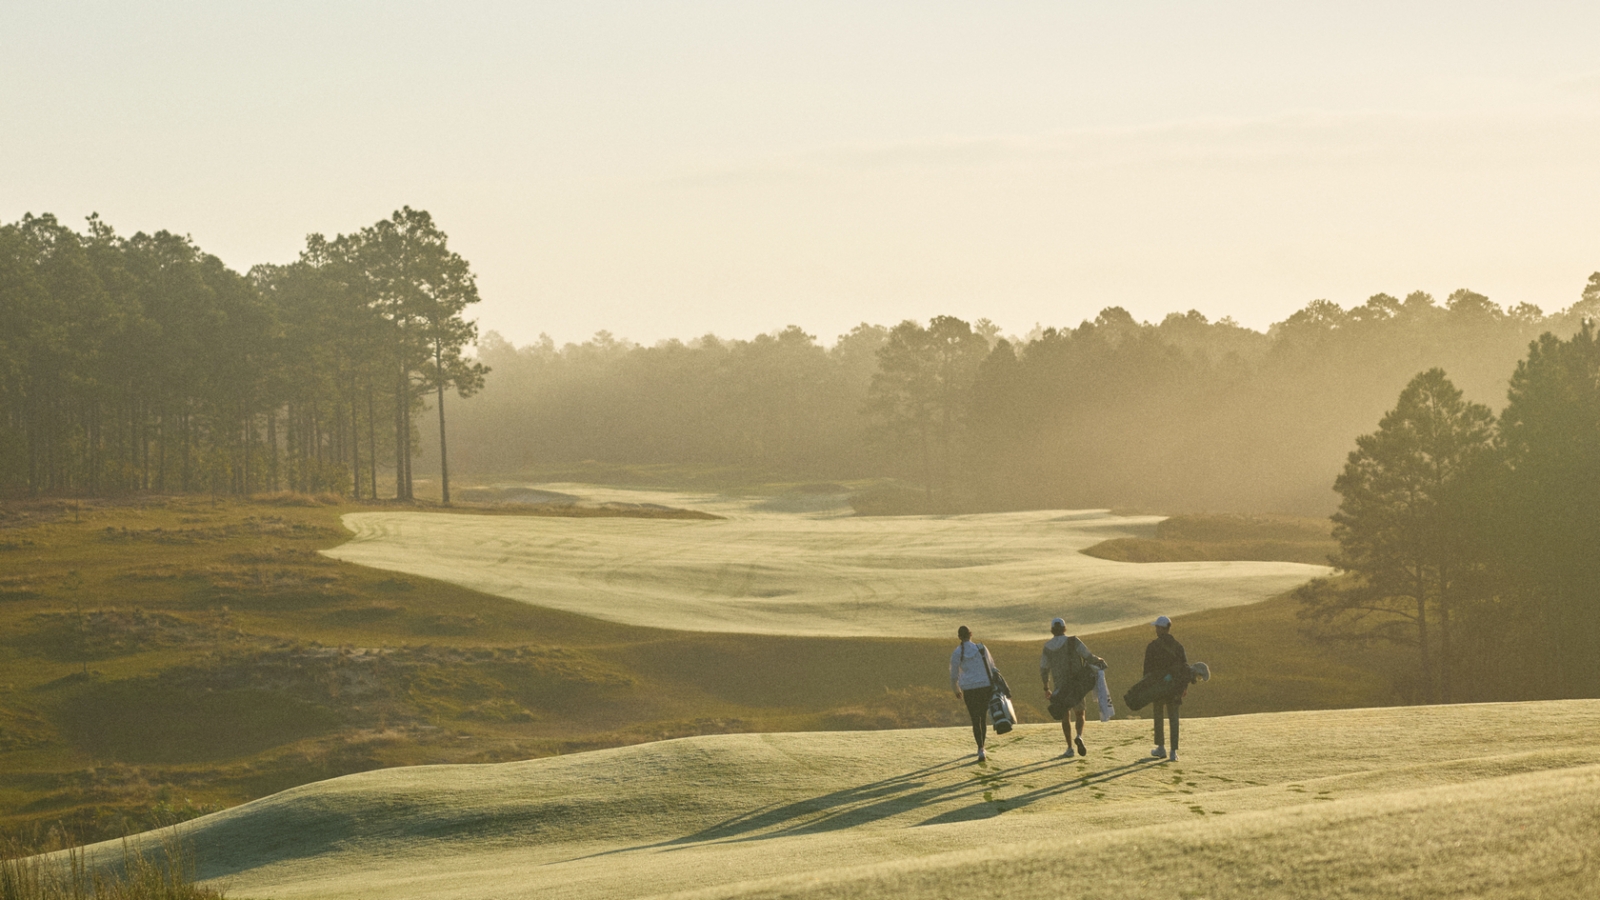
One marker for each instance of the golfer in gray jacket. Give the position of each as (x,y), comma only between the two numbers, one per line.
(1064,659)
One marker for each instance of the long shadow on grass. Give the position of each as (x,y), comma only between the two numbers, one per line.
(883,799)
(992,806)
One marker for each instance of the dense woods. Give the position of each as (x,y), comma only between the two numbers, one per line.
(779,403)
(144,364)
(1470,540)
(1184,414)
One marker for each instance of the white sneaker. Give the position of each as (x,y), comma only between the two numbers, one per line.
(1068,754)
(1174,756)
(981,756)
(1159,752)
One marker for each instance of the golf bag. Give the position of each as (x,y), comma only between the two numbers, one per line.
(1151,688)
(1071,694)
(1001,712)
(1103,694)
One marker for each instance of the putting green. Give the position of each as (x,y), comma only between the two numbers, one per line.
(1489,800)
(800,565)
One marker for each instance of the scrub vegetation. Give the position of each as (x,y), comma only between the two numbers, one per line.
(156,872)
(1226,537)
(170,656)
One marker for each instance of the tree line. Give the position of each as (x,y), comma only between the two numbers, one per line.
(1186,414)
(1469,539)
(778,403)
(144,364)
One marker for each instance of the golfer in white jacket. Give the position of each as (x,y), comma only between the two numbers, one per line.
(971,678)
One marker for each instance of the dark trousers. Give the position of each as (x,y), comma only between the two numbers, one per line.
(977,700)
(1171,709)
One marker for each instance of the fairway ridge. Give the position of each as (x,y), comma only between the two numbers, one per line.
(766,569)
(1394,802)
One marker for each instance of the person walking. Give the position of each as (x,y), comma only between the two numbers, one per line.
(1068,662)
(972,679)
(1165,656)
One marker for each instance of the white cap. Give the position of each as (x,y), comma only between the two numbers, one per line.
(1162,622)
(1058,621)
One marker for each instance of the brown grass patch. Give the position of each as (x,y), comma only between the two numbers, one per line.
(1218,538)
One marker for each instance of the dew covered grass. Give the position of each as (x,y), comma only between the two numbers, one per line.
(771,567)
(1493,800)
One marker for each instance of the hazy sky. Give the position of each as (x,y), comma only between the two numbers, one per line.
(668,169)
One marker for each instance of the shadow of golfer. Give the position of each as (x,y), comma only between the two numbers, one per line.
(853,806)
(994,806)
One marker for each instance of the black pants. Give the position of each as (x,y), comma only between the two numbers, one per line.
(1171,710)
(977,700)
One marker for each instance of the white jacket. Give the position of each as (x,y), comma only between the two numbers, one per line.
(969,666)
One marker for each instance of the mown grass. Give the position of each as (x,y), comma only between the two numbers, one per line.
(1215,538)
(170,656)
(1381,803)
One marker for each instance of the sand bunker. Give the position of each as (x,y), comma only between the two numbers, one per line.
(804,566)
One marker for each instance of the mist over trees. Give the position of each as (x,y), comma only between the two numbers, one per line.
(1181,415)
(144,364)
(1471,540)
(779,403)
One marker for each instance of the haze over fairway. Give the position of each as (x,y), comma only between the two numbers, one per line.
(1408,802)
(802,565)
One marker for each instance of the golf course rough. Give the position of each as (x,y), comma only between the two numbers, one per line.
(1385,803)
(767,568)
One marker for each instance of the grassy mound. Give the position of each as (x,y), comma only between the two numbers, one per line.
(1374,803)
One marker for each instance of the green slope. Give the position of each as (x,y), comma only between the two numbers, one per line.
(1499,800)
(768,569)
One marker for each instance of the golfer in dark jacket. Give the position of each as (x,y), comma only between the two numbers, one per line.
(1165,656)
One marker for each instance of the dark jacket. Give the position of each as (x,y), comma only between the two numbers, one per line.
(1165,656)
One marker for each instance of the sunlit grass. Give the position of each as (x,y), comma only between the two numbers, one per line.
(1388,803)
(774,568)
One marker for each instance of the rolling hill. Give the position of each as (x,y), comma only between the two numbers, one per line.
(1493,800)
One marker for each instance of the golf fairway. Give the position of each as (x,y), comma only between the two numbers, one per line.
(1491,800)
(806,568)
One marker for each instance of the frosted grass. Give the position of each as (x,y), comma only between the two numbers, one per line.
(1403,802)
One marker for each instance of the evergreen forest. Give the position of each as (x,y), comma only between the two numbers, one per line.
(143,364)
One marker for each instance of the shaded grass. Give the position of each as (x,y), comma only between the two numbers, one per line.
(157,721)
(1212,538)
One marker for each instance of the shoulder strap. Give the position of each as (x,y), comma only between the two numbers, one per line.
(1070,651)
